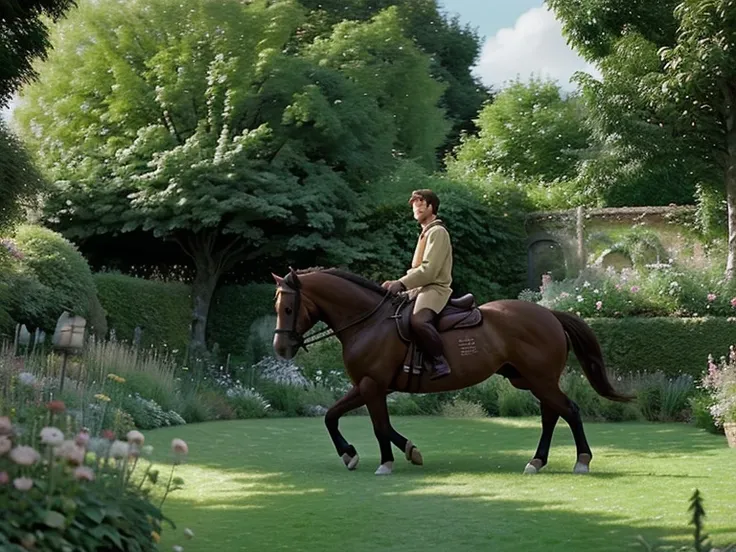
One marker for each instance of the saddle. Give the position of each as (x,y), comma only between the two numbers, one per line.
(460,312)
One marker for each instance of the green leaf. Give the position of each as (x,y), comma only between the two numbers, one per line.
(54,519)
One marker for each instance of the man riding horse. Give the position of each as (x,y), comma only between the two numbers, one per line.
(429,278)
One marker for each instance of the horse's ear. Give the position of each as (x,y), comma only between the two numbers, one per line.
(278,279)
(294,278)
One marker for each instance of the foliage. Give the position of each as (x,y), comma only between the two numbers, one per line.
(20,181)
(24,38)
(53,277)
(453,49)
(160,309)
(719,382)
(237,149)
(460,408)
(665,291)
(528,132)
(486,225)
(72,490)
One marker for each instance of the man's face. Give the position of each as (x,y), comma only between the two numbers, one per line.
(421,210)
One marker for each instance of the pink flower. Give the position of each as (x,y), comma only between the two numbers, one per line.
(70,452)
(179,447)
(711,297)
(618,286)
(23,483)
(598,305)
(733,302)
(83,473)
(82,438)
(135,438)
(4,478)
(24,456)
(5,426)
(635,289)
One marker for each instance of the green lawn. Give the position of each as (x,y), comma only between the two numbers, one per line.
(278,485)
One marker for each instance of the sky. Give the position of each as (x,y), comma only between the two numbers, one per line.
(522,38)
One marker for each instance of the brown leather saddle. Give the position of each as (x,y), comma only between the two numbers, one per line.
(460,312)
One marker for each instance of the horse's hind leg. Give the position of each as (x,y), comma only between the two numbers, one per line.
(549,421)
(554,401)
(375,399)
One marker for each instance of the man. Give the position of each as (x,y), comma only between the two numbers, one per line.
(429,277)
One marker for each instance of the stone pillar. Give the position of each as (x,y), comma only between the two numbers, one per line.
(581,239)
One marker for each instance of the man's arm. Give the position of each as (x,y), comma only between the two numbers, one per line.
(435,253)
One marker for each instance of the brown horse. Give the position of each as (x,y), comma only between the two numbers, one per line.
(520,340)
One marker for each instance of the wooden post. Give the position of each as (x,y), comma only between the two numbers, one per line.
(581,239)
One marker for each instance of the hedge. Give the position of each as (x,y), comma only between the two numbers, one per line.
(161,309)
(241,321)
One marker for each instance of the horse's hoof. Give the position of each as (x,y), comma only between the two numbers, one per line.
(413,455)
(533,467)
(385,469)
(583,464)
(351,462)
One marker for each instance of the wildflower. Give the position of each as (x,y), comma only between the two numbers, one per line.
(179,447)
(108,434)
(188,533)
(135,437)
(71,452)
(733,302)
(23,483)
(5,426)
(711,297)
(115,378)
(596,291)
(82,438)
(580,299)
(102,397)
(119,449)
(5,445)
(564,295)
(26,378)
(83,473)
(24,456)
(598,305)
(52,436)
(586,284)
(4,478)
(57,407)
(635,289)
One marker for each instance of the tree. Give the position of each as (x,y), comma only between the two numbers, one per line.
(20,181)
(528,132)
(24,37)
(699,86)
(453,49)
(199,123)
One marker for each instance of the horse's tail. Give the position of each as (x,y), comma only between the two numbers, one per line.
(588,351)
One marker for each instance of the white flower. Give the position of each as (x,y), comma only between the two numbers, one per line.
(52,436)
(23,483)
(580,299)
(5,445)
(586,284)
(83,473)
(119,449)
(24,456)
(135,437)
(70,451)
(26,378)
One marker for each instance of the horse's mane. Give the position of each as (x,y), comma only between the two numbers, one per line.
(355,278)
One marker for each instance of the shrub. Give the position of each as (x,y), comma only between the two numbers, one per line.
(403,404)
(54,277)
(664,399)
(161,309)
(247,403)
(460,408)
(484,394)
(75,499)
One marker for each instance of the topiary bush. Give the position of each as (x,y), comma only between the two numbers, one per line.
(53,277)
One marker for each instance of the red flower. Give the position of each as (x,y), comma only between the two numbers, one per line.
(57,407)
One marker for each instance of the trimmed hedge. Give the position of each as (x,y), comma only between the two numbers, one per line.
(162,309)
(236,314)
(672,345)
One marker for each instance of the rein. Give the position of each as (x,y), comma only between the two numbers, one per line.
(311,339)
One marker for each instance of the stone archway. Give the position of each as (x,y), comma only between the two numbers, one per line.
(545,255)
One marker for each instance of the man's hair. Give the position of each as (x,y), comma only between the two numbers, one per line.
(429,196)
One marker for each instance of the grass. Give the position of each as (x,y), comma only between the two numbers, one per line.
(277,484)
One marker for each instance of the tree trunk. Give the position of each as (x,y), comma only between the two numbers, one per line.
(730,174)
(212,258)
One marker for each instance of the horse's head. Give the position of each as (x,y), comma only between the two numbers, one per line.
(292,316)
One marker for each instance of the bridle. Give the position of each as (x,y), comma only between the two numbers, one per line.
(317,336)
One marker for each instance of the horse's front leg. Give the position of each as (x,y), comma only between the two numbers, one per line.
(350,401)
(375,400)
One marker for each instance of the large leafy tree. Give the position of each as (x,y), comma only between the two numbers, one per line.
(529,132)
(453,48)
(200,123)
(699,87)
(637,157)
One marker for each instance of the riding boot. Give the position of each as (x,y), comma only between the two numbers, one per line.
(430,342)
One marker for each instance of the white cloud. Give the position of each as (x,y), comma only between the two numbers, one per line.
(535,46)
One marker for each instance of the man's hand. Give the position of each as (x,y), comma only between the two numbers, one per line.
(393,286)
